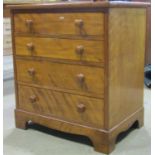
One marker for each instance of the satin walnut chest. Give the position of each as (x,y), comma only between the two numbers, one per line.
(79,67)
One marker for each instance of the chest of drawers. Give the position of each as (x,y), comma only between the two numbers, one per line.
(79,67)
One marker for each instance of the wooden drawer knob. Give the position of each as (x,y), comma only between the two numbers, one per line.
(81,108)
(31,71)
(29,24)
(79,22)
(81,79)
(80,50)
(33,98)
(30,46)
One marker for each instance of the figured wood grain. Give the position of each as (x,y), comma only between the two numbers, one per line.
(60,48)
(126,62)
(75,92)
(62,105)
(61,76)
(60,23)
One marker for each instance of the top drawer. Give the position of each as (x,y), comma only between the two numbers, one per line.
(83,24)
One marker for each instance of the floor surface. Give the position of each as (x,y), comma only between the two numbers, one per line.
(42,141)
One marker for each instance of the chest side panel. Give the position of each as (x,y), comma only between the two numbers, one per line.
(126,62)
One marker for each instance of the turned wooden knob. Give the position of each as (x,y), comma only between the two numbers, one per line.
(81,108)
(29,24)
(30,47)
(80,50)
(31,71)
(79,22)
(33,98)
(81,79)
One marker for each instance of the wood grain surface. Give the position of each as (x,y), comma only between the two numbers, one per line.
(74,108)
(80,50)
(127,29)
(83,24)
(85,5)
(71,77)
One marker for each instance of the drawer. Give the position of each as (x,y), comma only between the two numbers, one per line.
(79,109)
(64,76)
(84,24)
(84,50)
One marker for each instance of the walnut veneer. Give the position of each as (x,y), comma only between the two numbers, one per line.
(79,67)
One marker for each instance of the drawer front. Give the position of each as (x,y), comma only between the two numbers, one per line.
(84,50)
(84,24)
(64,76)
(75,108)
